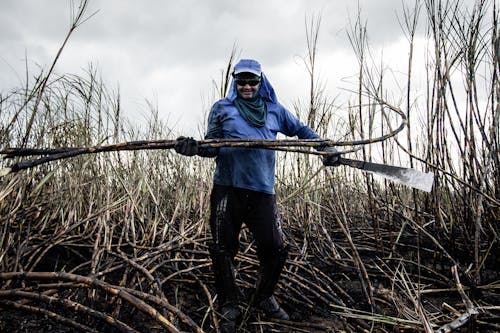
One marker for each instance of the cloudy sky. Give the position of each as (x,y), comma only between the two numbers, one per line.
(169,52)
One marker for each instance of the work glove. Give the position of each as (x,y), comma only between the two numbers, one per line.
(333,159)
(186,146)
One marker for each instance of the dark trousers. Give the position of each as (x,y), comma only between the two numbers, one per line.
(231,207)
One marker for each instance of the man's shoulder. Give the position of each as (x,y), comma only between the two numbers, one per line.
(221,105)
(224,106)
(275,107)
(223,102)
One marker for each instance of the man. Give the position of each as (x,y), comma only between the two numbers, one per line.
(243,190)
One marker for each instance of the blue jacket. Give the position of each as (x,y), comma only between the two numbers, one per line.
(249,168)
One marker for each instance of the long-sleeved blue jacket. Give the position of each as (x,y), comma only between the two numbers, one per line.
(248,168)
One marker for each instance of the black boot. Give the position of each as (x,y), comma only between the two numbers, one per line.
(270,271)
(227,291)
(230,314)
(272,309)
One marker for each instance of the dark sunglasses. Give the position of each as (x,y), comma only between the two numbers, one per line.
(243,83)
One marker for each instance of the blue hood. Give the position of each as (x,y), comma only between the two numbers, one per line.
(266,90)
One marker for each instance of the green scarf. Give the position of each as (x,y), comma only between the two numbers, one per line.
(253,110)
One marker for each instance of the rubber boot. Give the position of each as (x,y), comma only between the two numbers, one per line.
(270,272)
(230,314)
(227,291)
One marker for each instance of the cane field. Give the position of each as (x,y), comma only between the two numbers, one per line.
(117,241)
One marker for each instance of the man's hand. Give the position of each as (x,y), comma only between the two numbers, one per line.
(333,159)
(186,146)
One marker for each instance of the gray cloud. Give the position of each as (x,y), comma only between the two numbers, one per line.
(174,49)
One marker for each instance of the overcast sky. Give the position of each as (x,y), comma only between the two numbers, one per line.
(169,52)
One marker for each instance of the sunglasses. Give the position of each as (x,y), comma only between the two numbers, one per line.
(243,83)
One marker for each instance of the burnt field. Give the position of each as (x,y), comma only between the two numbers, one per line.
(113,271)
(117,241)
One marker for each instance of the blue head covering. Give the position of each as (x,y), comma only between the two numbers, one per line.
(252,66)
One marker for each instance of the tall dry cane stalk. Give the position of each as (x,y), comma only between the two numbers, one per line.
(495,109)
(317,115)
(409,27)
(366,107)
(77,19)
(312,33)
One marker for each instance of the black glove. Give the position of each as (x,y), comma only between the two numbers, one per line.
(331,160)
(186,146)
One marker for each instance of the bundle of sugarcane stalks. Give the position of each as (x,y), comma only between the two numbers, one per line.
(54,154)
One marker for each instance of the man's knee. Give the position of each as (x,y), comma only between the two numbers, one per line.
(217,252)
(277,253)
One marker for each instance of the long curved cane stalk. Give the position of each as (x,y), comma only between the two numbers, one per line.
(53,154)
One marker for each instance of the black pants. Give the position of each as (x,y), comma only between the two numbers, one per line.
(231,207)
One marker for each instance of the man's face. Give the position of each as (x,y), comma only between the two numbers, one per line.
(247,84)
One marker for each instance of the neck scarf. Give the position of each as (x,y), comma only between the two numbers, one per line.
(253,110)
